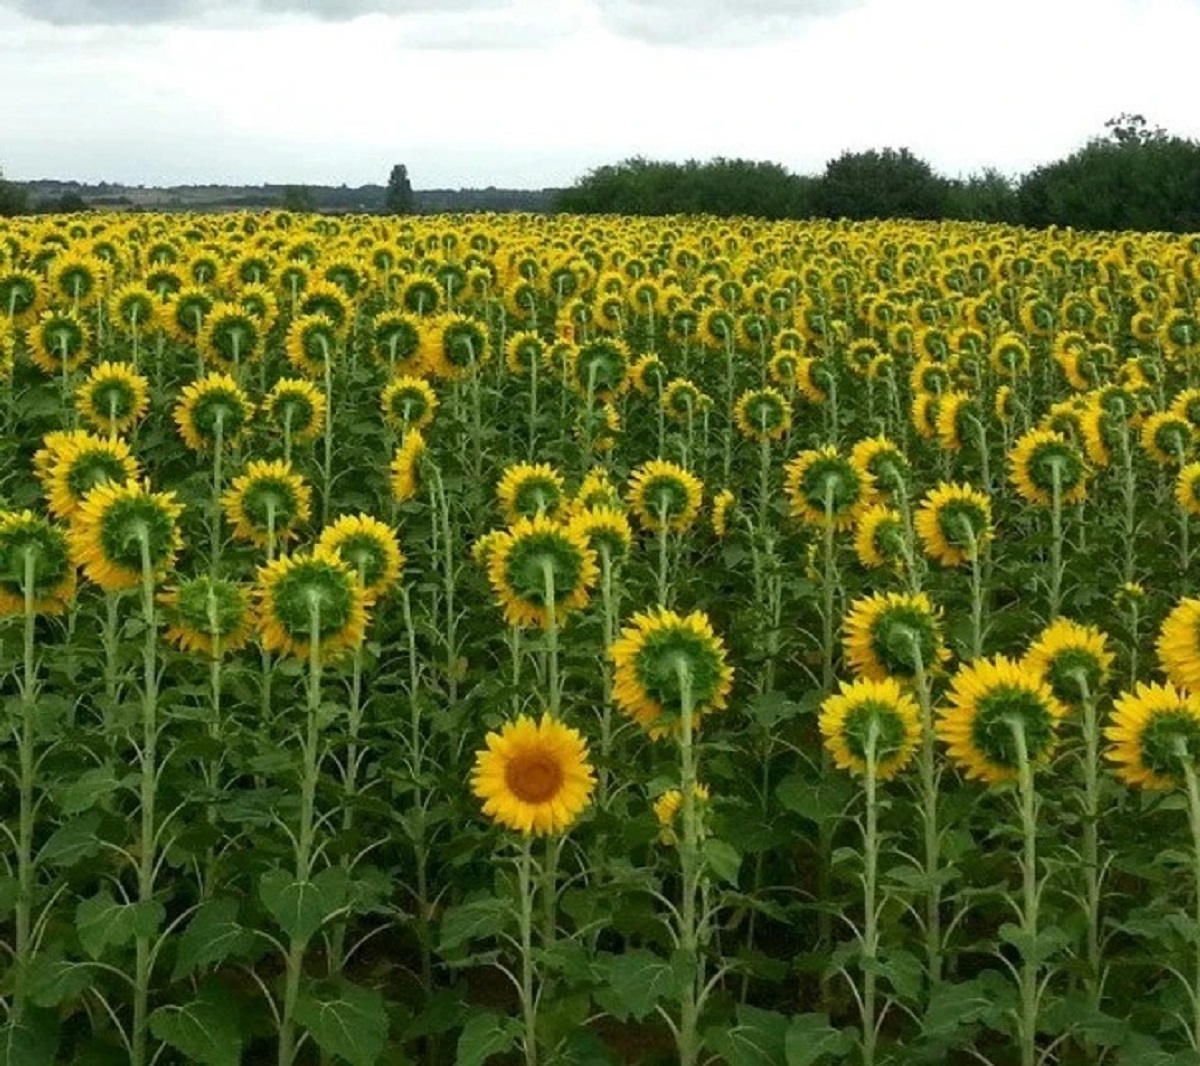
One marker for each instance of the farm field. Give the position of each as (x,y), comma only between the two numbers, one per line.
(558,640)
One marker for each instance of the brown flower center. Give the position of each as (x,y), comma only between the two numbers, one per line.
(533,777)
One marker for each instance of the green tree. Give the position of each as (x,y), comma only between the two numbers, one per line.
(1136,177)
(398,199)
(298,198)
(887,183)
(988,196)
(13,200)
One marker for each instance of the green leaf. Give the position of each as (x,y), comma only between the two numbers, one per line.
(33,1041)
(301,907)
(818,802)
(71,842)
(723,859)
(633,983)
(212,935)
(758,1038)
(83,791)
(486,1035)
(52,980)
(1047,943)
(345,1020)
(810,1038)
(101,921)
(987,999)
(476,920)
(9,887)
(205,1030)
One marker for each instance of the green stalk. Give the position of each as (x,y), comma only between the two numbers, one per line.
(1193,791)
(664,531)
(327,466)
(553,703)
(148,770)
(1091,836)
(214,529)
(1056,539)
(25,862)
(870,936)
(533,407)
(1028,981)
(305,832)
(609,606)
(529,999)
(929,821)
(687,1035)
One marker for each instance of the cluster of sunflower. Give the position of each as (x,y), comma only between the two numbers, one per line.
(942,405)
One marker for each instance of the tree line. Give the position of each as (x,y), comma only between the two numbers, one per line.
(1132,177)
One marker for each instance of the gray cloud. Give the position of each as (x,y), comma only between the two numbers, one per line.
(712,21)
(142,12)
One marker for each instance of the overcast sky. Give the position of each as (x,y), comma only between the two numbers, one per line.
(532,93)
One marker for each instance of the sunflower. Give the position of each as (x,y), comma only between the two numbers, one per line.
(1168,437)
(369,547)
(113,398)
(596,490)
(884,461)
(34,549)
(534,778)
(530,489)
(783,369)
(599,368)
(297,590)
(763,414)
(957,421)
(865,714)
(214,405)
(208,616)
(21,294)
(405,466)
(954,522)
(119,527)
(886,632)
(76,279)
(421,296)
(457,345)
(324,298)
(667,808)
(231,335)
(59,341)
(815,378)
(1071,658)
(71,464)
(268,500)
(653,657)
(186,311)
(408,402)
(1153,730)
(879,537)
(296,406)
(1187,488)
(532,554)
(990,701)
(1187,404)
(1036,458)
(1005,405)
(649,374)
(661,493)
(605,529)
(1178,645)
(312,344)
(523,350)
(680,399)
(825,486)
(397,341)
(721,504)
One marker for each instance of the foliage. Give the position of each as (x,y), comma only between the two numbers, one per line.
(13,200)
(398,197)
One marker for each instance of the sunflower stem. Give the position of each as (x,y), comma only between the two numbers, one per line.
(1056,539)
(304,834)
(1028,979)
(870,933)
(929,819)
(28,739)
(608,601)
(533,405)
(1091,836)
(554,700)
(664,530)
(214,529)
(327,466)
(1193,792)
(691,869)
(148,772)
(529,1001)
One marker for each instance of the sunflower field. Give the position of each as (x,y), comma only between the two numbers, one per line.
(551,640)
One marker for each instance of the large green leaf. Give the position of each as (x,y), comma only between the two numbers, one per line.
(486,1035)
(301,907)
(101,921)
(345,1020)
(634,983)
(204,1030)
(212,935)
